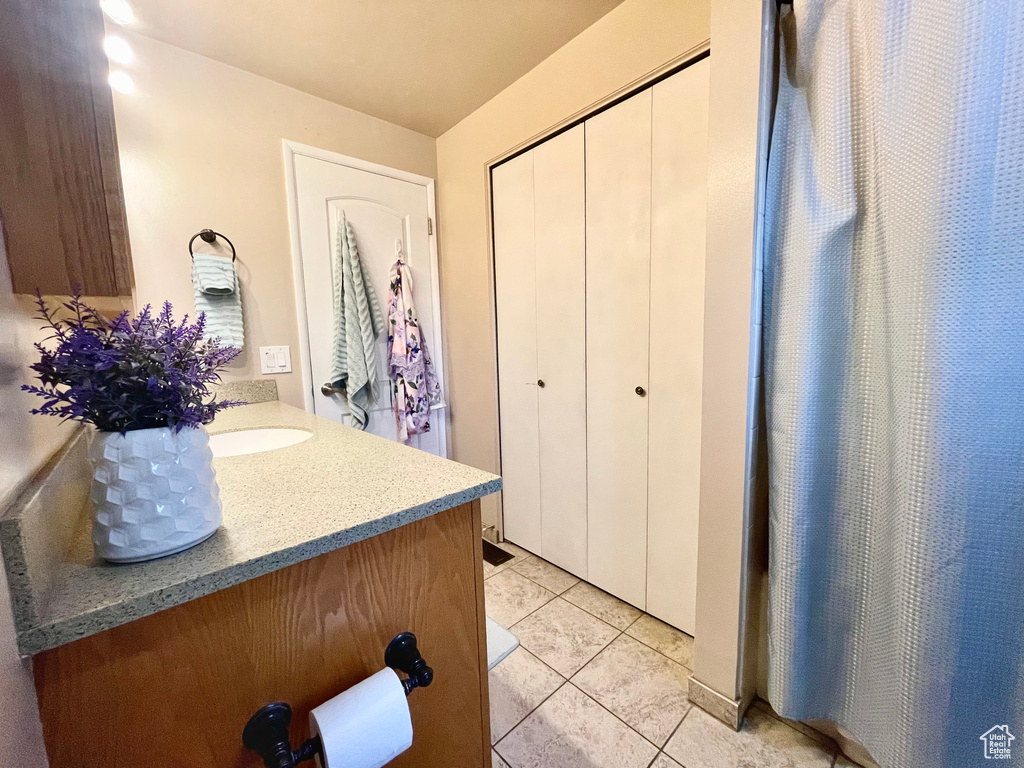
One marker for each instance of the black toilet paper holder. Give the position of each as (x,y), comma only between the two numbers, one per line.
(267,730)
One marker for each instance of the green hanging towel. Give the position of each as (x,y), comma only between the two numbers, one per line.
(357,324)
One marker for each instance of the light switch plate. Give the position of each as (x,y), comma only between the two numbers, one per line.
(275,360)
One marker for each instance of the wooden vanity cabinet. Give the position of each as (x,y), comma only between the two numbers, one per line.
(176,688)
(61,202)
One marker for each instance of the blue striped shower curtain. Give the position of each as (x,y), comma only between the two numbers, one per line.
(894,376)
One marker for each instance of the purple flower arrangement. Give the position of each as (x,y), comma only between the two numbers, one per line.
(127,373)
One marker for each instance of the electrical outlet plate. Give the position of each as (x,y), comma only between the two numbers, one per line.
(275,360)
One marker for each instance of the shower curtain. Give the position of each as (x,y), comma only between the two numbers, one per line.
(894,376)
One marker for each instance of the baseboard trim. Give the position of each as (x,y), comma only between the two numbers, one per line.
(721,707)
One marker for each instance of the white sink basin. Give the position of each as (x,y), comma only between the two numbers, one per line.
(255,441)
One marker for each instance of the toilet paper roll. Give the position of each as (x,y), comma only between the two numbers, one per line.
(366,726)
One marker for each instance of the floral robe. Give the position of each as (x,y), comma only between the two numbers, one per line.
(414,383)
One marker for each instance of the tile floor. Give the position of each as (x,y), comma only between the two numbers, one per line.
(597,683)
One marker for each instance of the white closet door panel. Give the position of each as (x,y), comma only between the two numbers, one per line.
(560,227)
(515,289)
(679,200)
(618,152)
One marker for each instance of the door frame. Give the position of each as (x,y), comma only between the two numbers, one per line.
(292,149)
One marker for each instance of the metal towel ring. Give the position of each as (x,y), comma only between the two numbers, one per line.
(209,236)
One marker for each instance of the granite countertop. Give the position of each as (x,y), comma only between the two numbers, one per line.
(280,507)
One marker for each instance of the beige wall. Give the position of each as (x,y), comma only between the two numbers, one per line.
(728,562)
(201,147)
(26,442)
(632,40)
(22,733)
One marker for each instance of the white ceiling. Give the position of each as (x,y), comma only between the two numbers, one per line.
(423,64)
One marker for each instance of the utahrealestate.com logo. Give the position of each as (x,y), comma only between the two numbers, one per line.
(997,742)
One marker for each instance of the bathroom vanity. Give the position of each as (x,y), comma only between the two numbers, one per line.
(330,548)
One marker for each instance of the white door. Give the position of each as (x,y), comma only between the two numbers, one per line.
(618,211)
(388,210)
(540,284)
(560,233)
(679,199)
(599,270)
(515,282)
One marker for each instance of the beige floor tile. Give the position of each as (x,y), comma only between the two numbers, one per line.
(509,596)
(664,761)
(563,636)
(804,728)
(516,550)
(496,761)
(639,685)
(677,645)
(491,570)
(518,554)
(517,686)
(571,730)
(544,573)
(599,603)
(764,742)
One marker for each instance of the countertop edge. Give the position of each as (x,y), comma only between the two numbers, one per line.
(43,638)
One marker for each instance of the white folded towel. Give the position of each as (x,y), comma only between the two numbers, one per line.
(215,283)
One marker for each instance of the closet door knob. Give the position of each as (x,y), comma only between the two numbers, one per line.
(540,383)
(640,391)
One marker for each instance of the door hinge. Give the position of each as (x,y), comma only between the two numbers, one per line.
(430,226)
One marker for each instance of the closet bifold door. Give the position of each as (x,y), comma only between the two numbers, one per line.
(679,208)
(618,155)
(516,310)
(560,236)
(540,283)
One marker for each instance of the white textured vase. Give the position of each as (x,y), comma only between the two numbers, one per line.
(155,493)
